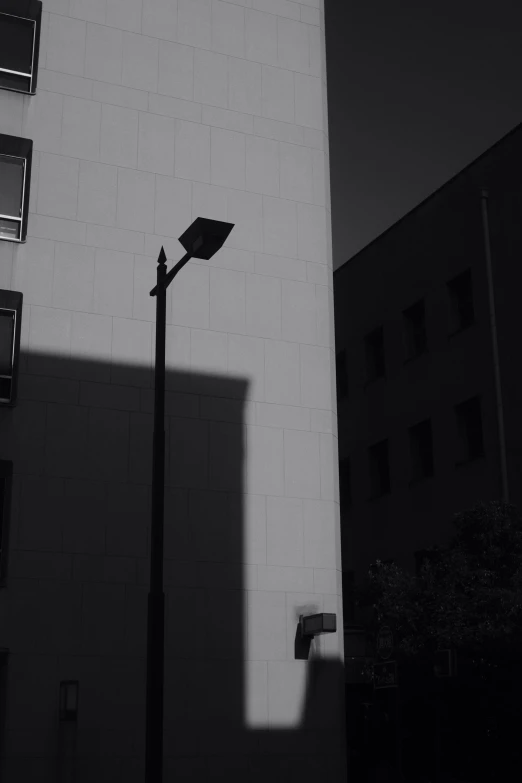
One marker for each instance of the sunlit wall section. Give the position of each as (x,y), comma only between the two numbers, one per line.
(148,114)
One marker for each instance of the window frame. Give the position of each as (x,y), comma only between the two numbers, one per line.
(12,301)
(369,348)
(27,10)
(415,445)
(6,476)
(410,331)
(463,431)
(374,464)
(17,147)
(456,323)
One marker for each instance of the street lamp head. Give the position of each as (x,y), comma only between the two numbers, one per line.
(205,237)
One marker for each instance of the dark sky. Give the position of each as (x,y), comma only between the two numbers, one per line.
(416,89)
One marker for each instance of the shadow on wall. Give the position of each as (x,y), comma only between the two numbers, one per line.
(74,605)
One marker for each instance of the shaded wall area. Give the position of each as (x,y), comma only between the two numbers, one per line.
(414,260)
(237,702)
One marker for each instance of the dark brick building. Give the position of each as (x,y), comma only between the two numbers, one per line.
(429,421)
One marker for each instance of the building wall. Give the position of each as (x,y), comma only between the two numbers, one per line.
(415,259)
(150,113)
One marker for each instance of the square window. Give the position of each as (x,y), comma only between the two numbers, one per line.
(20,23)
(379,469)
(414,319)
(374,349)
(342,375)
(460,291)
(15,176)
(345,497)
(10,326)
(6,473)
(469,426)
(421,449)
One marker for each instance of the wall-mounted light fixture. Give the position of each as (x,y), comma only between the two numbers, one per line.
(315,624)
(69,700)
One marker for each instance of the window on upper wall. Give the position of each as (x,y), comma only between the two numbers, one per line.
(379,465)
(421,450)
(469,428)
(342,374)
(345,496)
(460,292)
(414,319)
(20,22)
(6,473)
(10,325)
(15,178)
(374,350)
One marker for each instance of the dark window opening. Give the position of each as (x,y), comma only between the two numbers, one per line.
(342,375)
(421,449)
(345,496)
(15,176)
(6,472)
(374,348)
(469,426)
(415,329)
(460,291)
(379,469)
(20,22)
(10,325)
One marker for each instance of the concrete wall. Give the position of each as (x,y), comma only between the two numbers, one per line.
(150,113)
(413,260)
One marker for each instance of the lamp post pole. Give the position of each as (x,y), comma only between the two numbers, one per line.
(201,240)
(156,600)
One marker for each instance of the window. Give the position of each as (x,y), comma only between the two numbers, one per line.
(20,22)
(374,349)
(6,472)
(69,700)
(469,426)
(10,324)
(460,291)
(345,496)
(414,319)
(15,177)
(421,449)
(379,469)
(342,375)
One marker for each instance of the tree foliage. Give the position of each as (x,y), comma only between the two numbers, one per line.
(467,596)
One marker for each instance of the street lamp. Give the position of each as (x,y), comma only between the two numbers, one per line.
(201,240)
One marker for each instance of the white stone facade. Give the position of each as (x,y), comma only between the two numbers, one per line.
(148,114)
